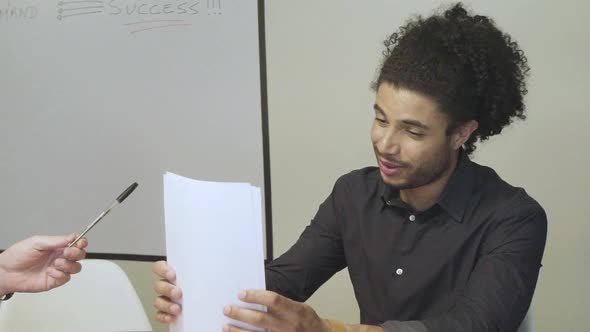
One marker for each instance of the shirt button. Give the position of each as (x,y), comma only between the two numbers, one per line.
(399,272)
(412,217)
(388,203)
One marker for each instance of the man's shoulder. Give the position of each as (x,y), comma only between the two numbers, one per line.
(508,212)
(492,189)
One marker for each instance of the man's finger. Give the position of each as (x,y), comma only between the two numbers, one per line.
(66,266)
(250,316)
(164,318)
(164,288)
(166,306)
(59,277)
(266,298)
(74,254)
(51,242)
(57,274)
(164,270)
(82,243)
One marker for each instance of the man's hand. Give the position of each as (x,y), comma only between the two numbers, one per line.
(283,314)
(166,292)
(40,263)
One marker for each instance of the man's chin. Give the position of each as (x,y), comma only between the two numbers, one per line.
(394,181)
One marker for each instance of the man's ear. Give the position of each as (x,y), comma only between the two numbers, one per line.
(462,133)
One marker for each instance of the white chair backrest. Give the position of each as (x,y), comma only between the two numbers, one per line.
(98,299)
(527,323)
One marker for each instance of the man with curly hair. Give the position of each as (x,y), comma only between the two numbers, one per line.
(432,241)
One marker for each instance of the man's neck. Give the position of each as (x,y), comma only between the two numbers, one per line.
(424,197)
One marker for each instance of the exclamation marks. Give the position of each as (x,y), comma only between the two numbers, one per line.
(78,7)
(214,7)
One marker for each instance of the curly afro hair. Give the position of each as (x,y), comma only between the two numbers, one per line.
(463,62)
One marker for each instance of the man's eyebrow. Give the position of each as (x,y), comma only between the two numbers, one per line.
(378,109)
(409,122)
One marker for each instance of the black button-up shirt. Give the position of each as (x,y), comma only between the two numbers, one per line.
(469,263)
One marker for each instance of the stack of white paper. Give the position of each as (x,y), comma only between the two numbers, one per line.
(214,242)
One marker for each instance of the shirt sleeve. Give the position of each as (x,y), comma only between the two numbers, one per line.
(501,286)
(407,326)
(316,256)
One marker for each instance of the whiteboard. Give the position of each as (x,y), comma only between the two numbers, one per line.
(99,94)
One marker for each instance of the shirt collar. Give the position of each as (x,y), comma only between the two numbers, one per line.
(459,189)
(454,197)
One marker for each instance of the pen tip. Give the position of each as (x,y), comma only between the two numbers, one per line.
(127,192)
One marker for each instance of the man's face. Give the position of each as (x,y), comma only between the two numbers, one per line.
(409,138)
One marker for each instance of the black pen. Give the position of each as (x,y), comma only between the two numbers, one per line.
(118,201)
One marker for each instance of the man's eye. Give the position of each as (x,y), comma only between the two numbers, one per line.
(380,120)
(416,134)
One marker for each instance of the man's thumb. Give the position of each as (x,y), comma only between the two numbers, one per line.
(43,242)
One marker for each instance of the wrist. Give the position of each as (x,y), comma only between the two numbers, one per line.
(5,289)
(7,286)
(335,326)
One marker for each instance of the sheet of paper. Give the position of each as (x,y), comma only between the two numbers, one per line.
(214,242)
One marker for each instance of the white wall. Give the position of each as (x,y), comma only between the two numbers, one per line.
(322,56)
